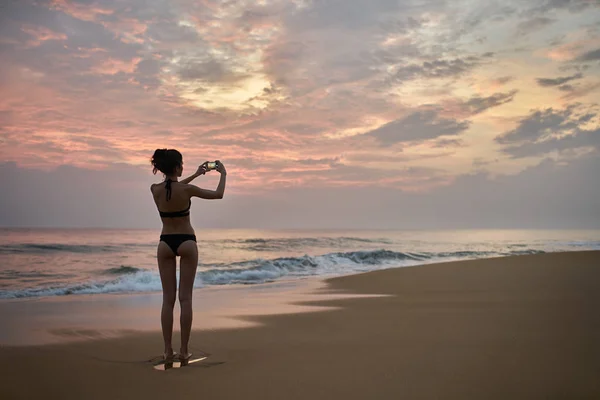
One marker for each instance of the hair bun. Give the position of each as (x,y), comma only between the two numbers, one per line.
(166,160)
(160,153)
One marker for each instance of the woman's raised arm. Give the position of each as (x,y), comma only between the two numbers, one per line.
(201,171)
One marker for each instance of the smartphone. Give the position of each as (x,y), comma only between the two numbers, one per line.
(212,165)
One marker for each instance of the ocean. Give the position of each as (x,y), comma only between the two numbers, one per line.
(61,262)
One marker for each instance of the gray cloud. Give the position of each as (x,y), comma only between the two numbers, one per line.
(582,139)
(488,11)
(545,196)
(442,143)
(344,36)
(166,32)
(346,14)
(441,68)
(540,123)
(573,6)
(478,104)
(558,81)
(147,71)
(566,88)
(503,80)
(579,91)
(549,130)
(592,55)
(420,125)
(533,24)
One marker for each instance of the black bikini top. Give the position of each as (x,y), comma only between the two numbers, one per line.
(173,214)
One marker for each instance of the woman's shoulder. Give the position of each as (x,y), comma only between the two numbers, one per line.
(155,187)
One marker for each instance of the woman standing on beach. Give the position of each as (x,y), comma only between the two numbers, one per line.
(173,200)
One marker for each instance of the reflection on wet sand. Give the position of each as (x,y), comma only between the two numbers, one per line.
(104,316)
(165,365)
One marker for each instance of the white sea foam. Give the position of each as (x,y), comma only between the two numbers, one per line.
(131,279)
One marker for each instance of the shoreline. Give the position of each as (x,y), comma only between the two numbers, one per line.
(212,304)
(286,279)
(519,327)
(83,317)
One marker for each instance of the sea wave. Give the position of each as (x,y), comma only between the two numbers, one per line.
(131,279)
(13,274)
(276,244)
(254,244)
(46,248)
(141,281)
(338,263)
(122,270)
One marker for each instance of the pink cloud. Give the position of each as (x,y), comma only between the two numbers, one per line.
(319,86)
(129,30)
(113,66)
(88,52)
(41,34)
(571,50)
(80,11)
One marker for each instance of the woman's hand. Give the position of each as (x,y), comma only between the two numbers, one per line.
(202,168)
(221,168)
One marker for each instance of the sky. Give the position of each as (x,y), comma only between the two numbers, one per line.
(328,114)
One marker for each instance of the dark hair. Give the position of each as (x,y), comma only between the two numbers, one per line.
(166,160)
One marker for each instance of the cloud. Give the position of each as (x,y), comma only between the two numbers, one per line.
(86,11)
(418,126)
(566,88)
(529,199)
(533,24)
(41,34)
(472,18)
(443,143)
(578,46)
(211,71)
(573,6)
(558,81)
(463,109)
(478,104)
(592,55)
(289,85)
(111,66)
(357,15)
(548,130)
(441,68)
(320,161)
(503,80)
(579,91)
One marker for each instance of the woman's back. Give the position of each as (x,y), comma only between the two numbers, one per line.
(178,202)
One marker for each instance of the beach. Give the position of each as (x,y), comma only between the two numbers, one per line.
(516,327)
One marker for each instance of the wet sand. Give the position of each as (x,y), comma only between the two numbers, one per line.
(523,327)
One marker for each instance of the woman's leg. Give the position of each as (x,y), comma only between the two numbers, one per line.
(188,264)
(167,267)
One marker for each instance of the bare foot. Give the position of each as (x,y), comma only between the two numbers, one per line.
(168,355)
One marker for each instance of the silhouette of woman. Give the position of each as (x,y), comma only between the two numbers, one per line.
(173,201)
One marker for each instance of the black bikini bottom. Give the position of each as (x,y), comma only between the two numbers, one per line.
(173,240)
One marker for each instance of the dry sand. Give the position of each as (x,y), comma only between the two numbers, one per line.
(523,327)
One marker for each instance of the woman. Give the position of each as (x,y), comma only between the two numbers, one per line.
(173,200)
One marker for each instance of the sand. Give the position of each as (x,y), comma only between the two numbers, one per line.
(522,327)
